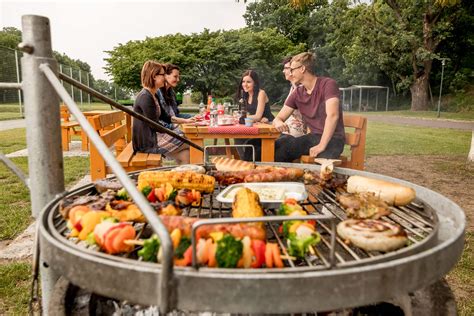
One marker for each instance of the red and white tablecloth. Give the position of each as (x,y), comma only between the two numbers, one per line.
(234,129)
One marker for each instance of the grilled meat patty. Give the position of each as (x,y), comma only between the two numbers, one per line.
(363,205)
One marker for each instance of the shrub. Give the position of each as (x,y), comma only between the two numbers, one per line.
(196,97)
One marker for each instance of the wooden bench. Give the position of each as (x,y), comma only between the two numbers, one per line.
(114,129)
(68,128)
(354,139)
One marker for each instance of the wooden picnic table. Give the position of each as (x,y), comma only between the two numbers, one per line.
(197,134)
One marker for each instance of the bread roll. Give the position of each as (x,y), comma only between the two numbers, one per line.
(229,164)
(392,193)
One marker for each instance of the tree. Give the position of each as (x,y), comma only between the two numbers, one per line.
(210,62)
(10,37)
(289,18)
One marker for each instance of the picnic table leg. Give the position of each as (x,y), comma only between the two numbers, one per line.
(195,155)
(268,149)
(84,141)
(65,138)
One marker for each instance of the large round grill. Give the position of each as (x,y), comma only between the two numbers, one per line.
(334,276)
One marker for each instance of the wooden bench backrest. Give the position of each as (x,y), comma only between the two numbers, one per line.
(112,128)
(356,140)
(356,128)
(64,113)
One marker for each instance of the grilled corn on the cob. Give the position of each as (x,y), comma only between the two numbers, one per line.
(179,180)
(247,204)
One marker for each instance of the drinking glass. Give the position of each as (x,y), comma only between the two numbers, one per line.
(236,115)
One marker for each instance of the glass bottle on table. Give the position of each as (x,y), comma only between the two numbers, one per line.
(213,115)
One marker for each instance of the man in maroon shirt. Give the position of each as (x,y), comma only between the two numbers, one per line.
(317,98)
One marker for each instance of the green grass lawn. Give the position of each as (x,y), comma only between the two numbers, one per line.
(462,116)
(12,111)
(389,139)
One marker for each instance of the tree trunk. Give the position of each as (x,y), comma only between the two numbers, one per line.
(419,93)
(470,158)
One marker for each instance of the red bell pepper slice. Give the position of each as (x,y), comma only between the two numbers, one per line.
(258,247)
(151,196)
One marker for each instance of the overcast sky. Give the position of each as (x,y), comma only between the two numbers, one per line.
(84,29)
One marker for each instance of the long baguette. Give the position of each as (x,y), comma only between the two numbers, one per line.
(392,193)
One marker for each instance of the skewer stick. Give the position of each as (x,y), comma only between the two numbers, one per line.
(134,242)
(312,251)
(287,257)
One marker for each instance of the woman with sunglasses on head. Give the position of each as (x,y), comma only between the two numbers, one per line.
(144,137)
(317,98)
(255,103)
(167,96)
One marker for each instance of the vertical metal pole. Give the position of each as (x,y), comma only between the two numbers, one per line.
(88,84)
(386,101)
(360,98)
(368,94)
(43,132)
(441,87)
(351,97)
(61,71)
(18,81)
(343,98)
(376,99)
(72,87)
(115,89)
(80,91)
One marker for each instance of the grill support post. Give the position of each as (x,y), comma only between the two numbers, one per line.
(45,163)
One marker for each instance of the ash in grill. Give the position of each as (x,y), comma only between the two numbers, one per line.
(417,219)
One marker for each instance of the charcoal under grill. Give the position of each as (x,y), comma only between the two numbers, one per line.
(335,276)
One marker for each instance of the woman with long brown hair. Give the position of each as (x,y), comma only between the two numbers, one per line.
(254,101)
(144,136)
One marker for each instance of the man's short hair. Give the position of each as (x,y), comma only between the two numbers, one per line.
(307,59)
(286,60)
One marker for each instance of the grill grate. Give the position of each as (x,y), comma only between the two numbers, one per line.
(418,219)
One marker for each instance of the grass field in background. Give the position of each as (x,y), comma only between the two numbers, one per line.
(12,111)
(462,116)
(391,139)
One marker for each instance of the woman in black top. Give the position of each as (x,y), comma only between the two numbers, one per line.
(143,135)
(255,102)
(255,99)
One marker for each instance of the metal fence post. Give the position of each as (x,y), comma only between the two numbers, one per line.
(72,87)
(45,162)
(88,84)
(80,91)
(18,80)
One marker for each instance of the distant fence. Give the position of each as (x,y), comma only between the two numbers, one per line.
(11,100)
